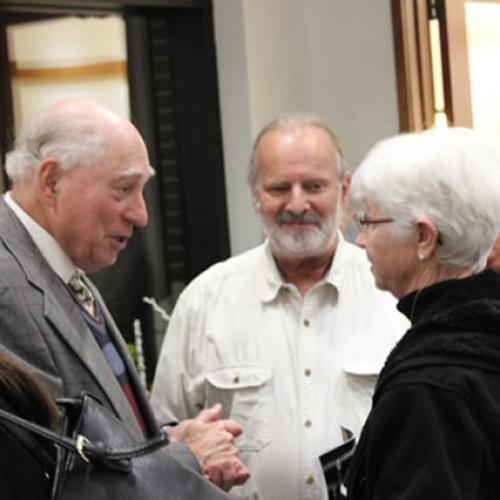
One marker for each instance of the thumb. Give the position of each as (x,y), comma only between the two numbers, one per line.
(233,427)
(210,414)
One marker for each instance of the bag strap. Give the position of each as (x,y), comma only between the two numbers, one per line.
(87,450)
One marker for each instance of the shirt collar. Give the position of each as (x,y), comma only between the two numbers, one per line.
(270,280)
(60,263)
(336,272)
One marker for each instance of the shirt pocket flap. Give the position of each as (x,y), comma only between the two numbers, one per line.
(239,377)
(362,369)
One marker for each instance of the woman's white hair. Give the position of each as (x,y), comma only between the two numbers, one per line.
(69,138)
(447,175)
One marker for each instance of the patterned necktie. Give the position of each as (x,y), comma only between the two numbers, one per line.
(82,292)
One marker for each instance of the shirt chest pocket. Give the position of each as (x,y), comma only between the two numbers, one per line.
(358,384)
(245,393)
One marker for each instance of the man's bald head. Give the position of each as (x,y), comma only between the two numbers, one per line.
(75,131)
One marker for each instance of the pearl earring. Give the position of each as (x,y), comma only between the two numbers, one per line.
(421,256)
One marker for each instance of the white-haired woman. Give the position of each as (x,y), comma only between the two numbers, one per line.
(431,203)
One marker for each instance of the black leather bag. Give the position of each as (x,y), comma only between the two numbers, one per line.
(99,459)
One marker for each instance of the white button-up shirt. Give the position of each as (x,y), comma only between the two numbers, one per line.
(291,369)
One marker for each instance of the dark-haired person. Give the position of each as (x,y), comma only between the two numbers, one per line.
(26,462)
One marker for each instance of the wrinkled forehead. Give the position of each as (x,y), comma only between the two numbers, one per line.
(295,133)
(309,146)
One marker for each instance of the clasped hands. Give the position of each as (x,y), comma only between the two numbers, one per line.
(211,440)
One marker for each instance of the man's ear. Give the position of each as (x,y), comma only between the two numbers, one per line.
(428,237)
(49,175)
(345,187)
(494,256)
(256,202)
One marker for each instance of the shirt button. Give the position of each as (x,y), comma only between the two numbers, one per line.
(309,480)
(307,322)
(307,372)
(307,423)
(236,380)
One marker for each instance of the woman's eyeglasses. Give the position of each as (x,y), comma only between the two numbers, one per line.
(362,221)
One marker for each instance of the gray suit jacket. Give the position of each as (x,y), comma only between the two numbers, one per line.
(43,329)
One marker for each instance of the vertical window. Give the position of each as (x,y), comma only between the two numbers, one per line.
(431,63)
(446,54)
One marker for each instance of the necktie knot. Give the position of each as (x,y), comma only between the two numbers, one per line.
(82,292)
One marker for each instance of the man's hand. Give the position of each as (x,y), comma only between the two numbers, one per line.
(212,442)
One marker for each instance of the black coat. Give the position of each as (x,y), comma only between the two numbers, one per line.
(434,428)
(26,464)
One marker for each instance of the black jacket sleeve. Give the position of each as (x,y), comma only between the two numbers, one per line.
(423,441)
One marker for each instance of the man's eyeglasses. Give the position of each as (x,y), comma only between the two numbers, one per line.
(363,222)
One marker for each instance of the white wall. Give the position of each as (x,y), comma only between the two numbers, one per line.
(483,42)
(350,62)
(332,57)
(275,36)
(237,129)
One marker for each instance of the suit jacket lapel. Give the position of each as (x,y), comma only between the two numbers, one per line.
(67,319)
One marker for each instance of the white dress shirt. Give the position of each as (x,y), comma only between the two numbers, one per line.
(291,369)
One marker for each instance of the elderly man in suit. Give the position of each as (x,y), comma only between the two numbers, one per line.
(78,174)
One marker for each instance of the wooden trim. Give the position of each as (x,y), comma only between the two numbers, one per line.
(93,7)
(425,64)
(113,68)
(404,57)
(458,99)
(414,68)
(413,64)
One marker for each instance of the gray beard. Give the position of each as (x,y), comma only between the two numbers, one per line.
(303,242)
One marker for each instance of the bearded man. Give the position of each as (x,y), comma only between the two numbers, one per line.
(291,335)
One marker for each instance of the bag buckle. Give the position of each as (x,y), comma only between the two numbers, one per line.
(82,441)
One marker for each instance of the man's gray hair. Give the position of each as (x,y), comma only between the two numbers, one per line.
(298,122)
(69,138)
(448,176)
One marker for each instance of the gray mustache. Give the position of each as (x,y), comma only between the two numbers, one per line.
(307,217)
